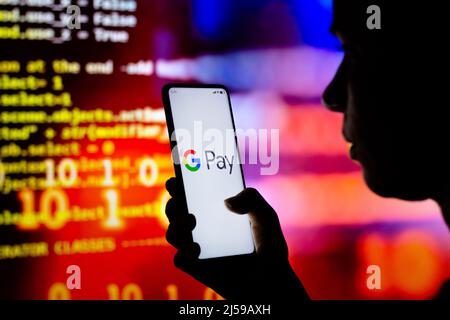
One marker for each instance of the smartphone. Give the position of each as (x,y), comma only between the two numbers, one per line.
(207,163)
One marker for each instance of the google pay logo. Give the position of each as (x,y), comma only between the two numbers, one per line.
(193,163)
(190,161)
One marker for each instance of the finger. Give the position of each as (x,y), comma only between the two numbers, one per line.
(264,220)
(177,238)
(172,209)
(184,222)
(171,186)
(179,232)
(187,256)
(248,200)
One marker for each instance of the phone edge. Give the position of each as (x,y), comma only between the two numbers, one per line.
(173,144)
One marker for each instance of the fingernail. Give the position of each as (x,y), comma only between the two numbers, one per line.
(235,204)
(229,202)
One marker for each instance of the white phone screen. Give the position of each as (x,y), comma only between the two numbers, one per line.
(209,159)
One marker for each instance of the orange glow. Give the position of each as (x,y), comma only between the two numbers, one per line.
(310,200)
(410,264)
(416,264)
(373,249)
(161,209)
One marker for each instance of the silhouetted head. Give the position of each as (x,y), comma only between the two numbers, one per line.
(389,88)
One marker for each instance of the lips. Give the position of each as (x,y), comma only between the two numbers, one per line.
(350,143)
(353,152)
(351,148)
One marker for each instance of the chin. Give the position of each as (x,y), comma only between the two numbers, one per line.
(387,186)
(447,220)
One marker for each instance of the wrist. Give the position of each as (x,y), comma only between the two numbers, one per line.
(279,282)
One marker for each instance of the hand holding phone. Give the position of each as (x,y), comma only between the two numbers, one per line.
(207,164)
(227,236)
(265,275)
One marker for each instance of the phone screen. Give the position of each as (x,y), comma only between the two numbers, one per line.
(208,155)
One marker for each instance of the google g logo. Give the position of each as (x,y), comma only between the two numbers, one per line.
(194,163)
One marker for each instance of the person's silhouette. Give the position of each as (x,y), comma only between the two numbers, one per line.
(388,91)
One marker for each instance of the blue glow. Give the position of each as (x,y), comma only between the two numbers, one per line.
(327,4)
(314,19)
(210,16)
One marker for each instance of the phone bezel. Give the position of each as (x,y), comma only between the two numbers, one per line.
(173,144)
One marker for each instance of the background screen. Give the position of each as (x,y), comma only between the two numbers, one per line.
(84,151)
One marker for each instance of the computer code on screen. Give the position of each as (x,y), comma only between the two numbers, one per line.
(83,151)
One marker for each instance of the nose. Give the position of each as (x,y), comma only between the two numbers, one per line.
(335,95)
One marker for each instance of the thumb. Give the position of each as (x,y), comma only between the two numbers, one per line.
(247,200)
(267,233)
